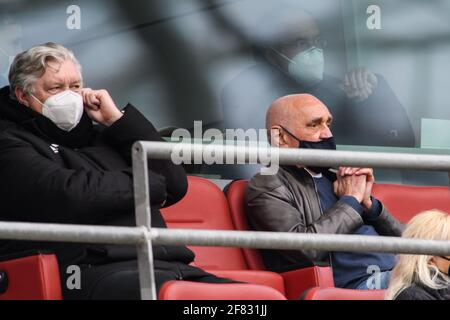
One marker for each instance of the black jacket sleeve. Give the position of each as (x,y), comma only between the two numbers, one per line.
(132,127)
(381,119)
(36,188)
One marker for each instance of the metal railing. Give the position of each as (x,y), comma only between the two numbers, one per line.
(143,236)
(330,158)
(165,151)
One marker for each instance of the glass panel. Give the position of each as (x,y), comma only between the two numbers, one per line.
(379,66)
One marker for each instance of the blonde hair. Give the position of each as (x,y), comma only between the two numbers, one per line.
(430,225)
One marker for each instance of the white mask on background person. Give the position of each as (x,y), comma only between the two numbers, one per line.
(65,109)
(306,67)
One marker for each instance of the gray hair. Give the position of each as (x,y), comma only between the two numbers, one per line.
(30,65)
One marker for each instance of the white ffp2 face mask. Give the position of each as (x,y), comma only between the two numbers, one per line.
(307,67)
(65,109)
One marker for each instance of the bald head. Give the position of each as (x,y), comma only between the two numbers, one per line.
(303,115)
(288,109)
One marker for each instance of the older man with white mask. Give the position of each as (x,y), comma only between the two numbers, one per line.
(56,166)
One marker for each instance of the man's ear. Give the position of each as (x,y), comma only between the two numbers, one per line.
(21,96)
(276,137)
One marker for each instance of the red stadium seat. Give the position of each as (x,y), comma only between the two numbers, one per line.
(296,281)
(186,290)
(404,201)
(206,207)
(318,293)
(235,193)
(31,276)
(36,276)
(266,278)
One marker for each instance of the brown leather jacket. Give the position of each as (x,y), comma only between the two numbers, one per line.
(289,202)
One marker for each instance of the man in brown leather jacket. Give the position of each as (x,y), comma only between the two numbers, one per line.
(312,200)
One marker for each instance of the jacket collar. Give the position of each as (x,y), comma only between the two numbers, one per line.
(34,122)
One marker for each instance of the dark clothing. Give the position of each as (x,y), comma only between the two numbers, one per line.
(351,268)
(421,292)
(120,280)
(80,177)
(289,202)
(380,120)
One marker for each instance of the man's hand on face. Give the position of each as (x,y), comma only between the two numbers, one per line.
(100,106)
(367,174)
(359,84)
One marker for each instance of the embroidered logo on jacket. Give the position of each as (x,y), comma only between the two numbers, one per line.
(55,148)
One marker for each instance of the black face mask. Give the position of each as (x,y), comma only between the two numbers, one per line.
(325,144)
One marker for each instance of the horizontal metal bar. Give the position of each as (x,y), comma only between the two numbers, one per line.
(331,158)
(72,233)
(296,241)
(244,239)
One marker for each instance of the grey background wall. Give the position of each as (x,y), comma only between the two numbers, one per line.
(172,58)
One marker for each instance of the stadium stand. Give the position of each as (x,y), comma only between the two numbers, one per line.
(35,275)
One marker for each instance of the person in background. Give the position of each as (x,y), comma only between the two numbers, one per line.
(421,277)
(56,166)
(291,59)
(311,199)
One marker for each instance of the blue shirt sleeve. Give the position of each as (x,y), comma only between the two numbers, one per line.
(352,202)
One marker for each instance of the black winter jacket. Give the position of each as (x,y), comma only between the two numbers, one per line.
(81,177)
